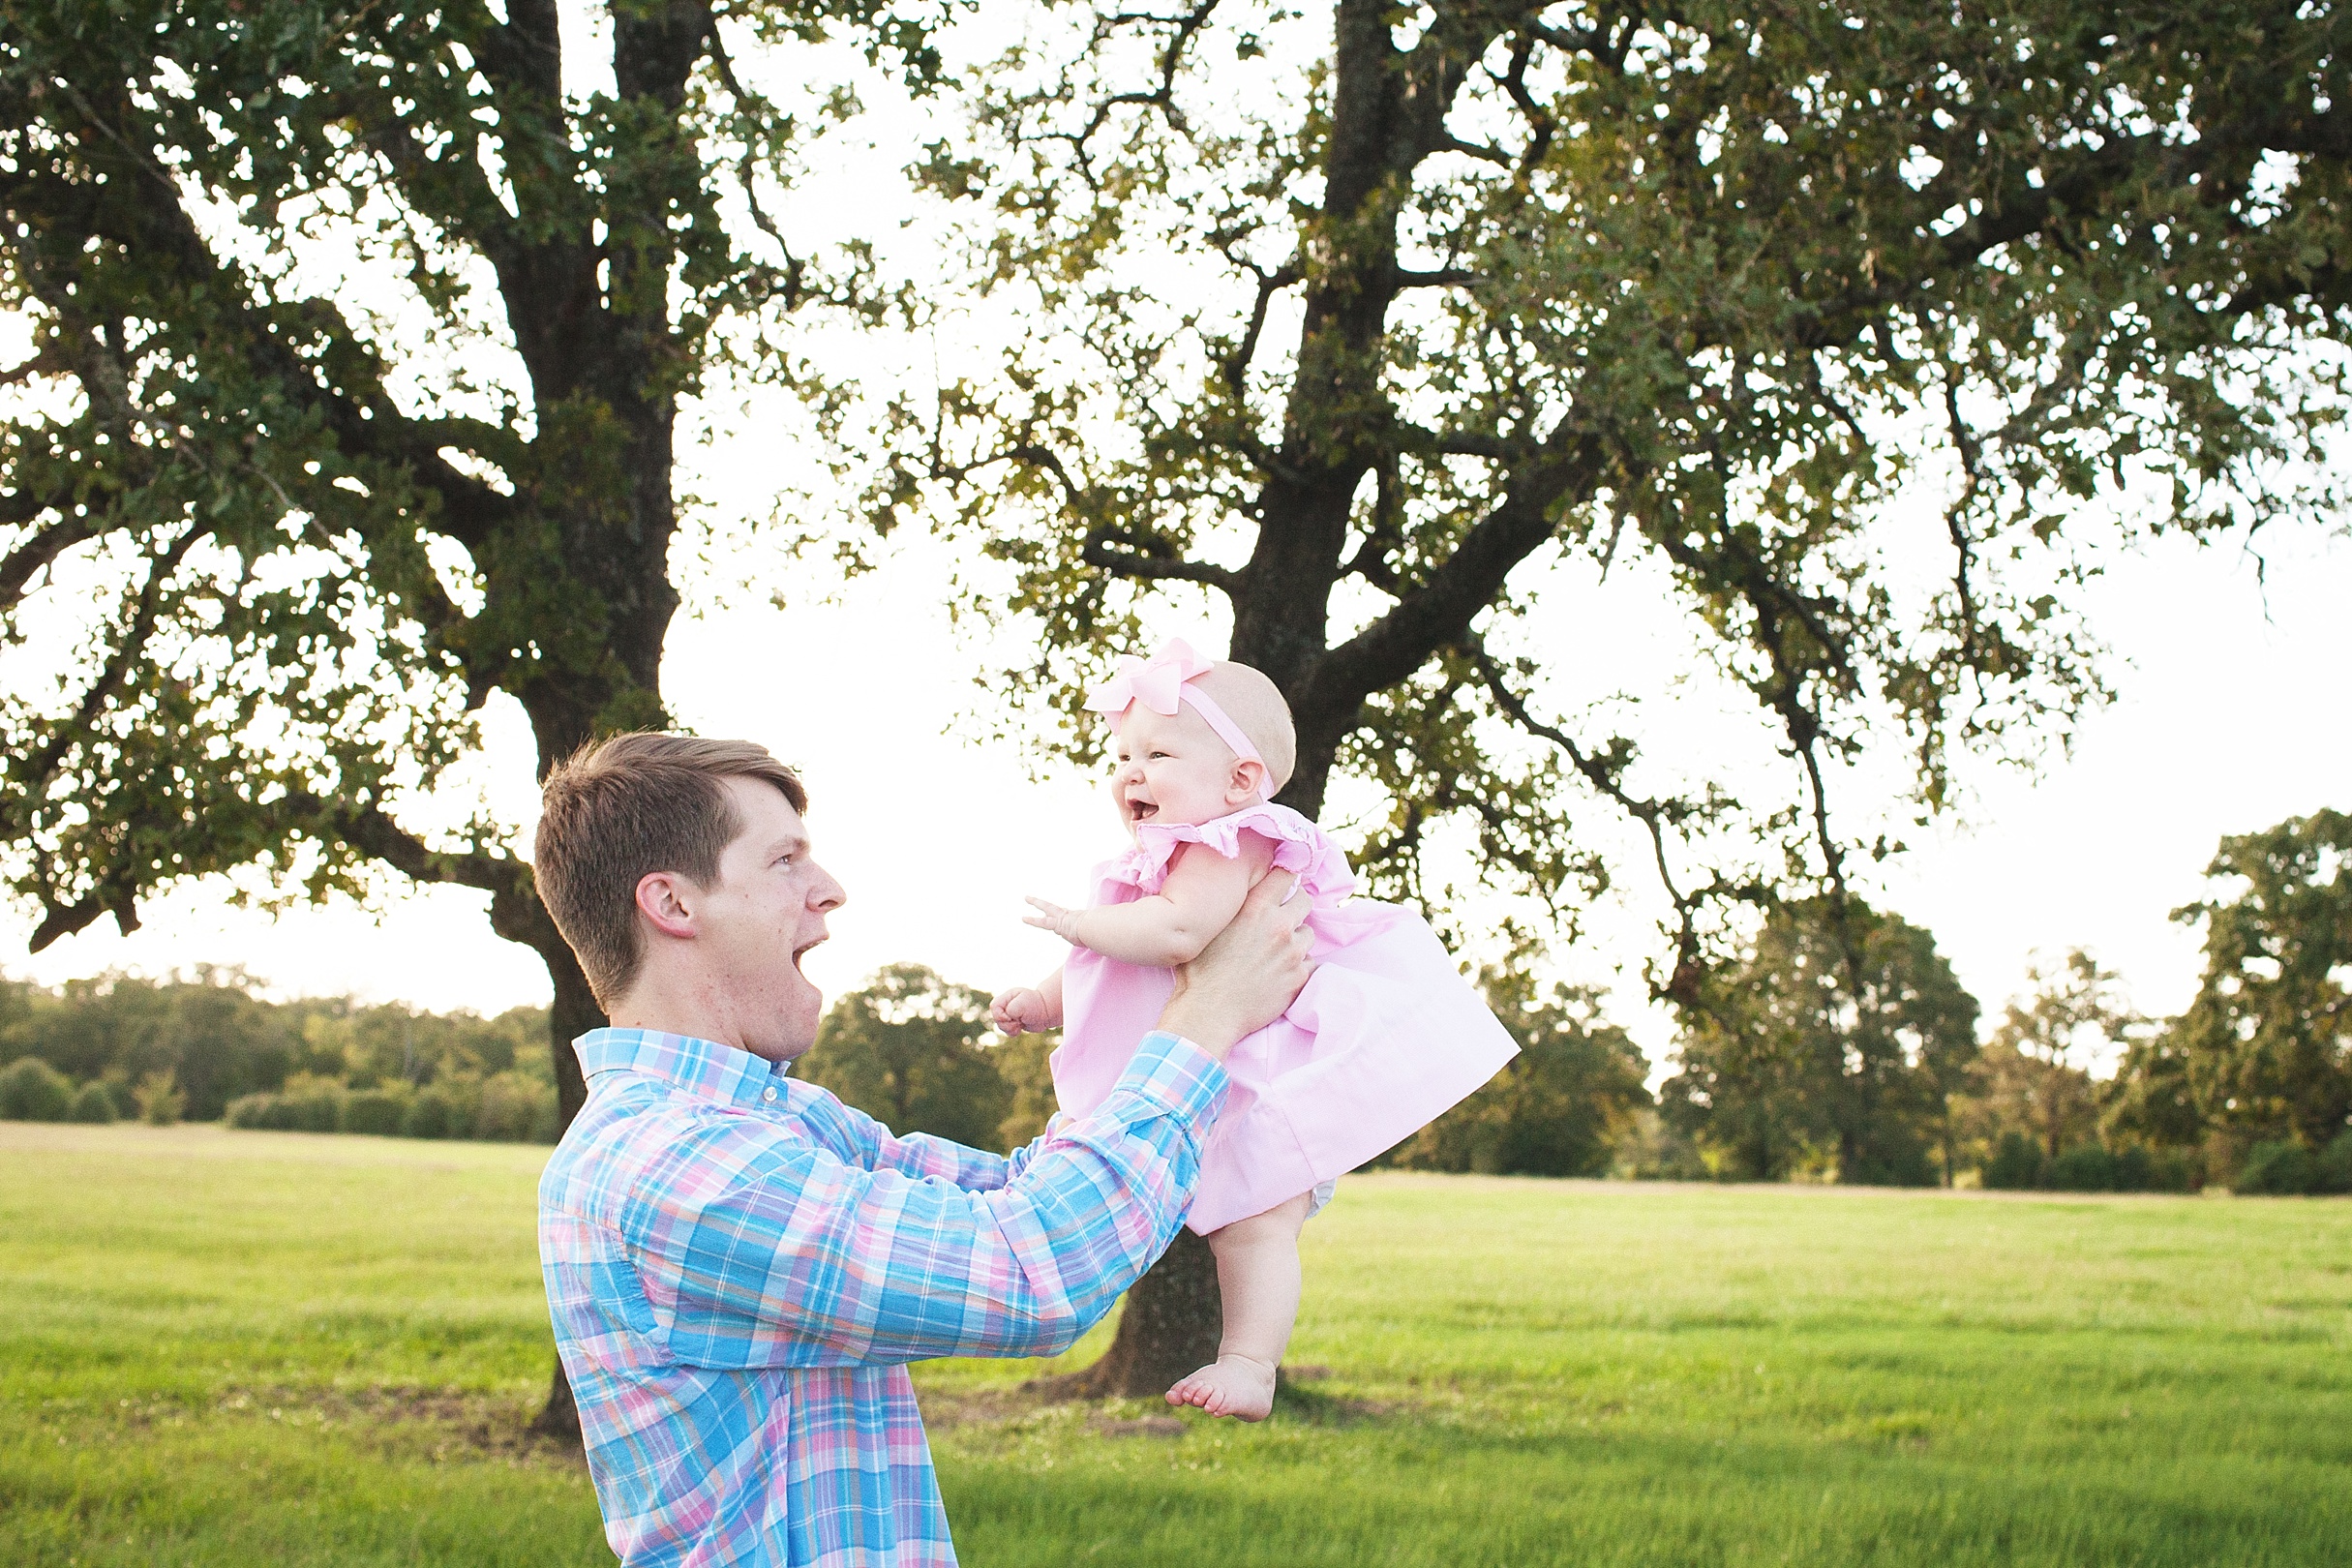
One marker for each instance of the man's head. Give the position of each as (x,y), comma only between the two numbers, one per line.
(679,869)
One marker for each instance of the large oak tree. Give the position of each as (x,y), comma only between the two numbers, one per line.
(271,537)
(1376,326)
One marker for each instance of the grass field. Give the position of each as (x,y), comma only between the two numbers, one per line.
(270,1349)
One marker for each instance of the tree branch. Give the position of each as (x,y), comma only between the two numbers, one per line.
(1438,612)
(1651,813)
(40,765)
(794,267)
(1148,557)
(366,828)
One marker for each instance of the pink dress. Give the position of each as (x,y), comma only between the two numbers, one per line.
(1386,1036)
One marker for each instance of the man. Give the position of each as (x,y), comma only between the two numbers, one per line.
(738,1266)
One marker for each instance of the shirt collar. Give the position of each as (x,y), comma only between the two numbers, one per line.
(699,1066)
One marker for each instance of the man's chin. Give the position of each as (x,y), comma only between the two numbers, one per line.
(791,1031)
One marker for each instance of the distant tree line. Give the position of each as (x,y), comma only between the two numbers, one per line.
(209,1048)
(1838,1046)
(1842,1047)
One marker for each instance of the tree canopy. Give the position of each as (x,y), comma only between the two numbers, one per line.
(2265,1049)
(359,336)
(1836,1045)
(2034,1073)
(907,1048)
(1375,329)
(1559,1108)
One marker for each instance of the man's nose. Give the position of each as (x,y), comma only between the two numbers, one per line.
(826,894)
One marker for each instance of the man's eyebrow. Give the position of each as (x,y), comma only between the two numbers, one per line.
(789,844)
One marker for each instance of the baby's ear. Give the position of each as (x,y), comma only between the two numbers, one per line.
(1250,782)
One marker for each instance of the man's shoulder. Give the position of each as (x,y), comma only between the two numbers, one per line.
(636,1138)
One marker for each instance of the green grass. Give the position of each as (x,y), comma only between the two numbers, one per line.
(268,1348)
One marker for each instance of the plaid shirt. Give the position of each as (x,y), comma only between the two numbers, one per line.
(740,1266)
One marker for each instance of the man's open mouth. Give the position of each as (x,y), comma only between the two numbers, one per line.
(802,951)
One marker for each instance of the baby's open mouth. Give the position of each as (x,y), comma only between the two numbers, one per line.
(1141,810)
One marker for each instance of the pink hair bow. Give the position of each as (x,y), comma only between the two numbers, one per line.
(1157,682)
(1160,683)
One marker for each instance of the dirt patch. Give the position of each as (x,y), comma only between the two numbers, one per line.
(436,1423)
(1295,1399)
(947,1410)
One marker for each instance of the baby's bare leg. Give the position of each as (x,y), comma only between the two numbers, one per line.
(1258,1277)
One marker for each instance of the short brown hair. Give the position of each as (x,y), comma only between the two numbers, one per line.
(617,810)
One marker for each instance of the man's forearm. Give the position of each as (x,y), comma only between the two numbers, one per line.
(939,1271)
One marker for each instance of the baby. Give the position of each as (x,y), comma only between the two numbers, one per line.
(1386,1035)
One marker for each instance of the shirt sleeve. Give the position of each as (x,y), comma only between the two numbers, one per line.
(860,1140)
(759,1249)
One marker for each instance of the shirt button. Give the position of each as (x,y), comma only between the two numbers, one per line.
(769,1093)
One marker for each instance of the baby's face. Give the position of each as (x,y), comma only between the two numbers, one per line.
(1172,768)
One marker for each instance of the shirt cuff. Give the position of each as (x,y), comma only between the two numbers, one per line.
(1175,1076)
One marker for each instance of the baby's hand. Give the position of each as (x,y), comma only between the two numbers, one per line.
(1023,1010)
(1062,923)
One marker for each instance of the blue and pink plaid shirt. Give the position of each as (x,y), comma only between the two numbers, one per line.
(740,1267)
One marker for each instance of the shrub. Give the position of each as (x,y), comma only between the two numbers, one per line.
(516,1107)
(438,1113)
(159,1098)
(93,1103)
(2139,1170)
(33,1090)
(376,1111)
(2336,1165)
(2015,1165)
(259,1113)
(2086,1168)
(2178,1170)
(2281,1170)
(1650,1150)
(313,1103)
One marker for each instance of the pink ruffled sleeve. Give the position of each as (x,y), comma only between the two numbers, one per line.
(1299,847)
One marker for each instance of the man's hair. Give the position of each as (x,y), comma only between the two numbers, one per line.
(617,810)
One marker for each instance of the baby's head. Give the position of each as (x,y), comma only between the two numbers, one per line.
(1183,767)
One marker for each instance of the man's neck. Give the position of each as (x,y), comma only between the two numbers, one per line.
(683,1011)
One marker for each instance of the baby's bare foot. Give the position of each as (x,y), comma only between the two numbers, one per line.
(1232,1386)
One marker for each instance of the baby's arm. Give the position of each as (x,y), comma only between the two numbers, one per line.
(1203,892)
(1029,1008)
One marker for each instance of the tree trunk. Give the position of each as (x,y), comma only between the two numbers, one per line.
(520,917)
(1168,1329)
(560,1417)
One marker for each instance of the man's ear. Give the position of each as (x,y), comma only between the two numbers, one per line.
(669,901)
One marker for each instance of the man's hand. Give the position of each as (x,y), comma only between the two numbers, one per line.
(1023,1010)
(1247,973)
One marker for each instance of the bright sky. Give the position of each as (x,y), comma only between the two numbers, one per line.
(2232,716)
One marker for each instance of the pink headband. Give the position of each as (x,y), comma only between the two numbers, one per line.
(1162,681)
